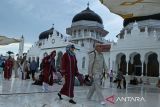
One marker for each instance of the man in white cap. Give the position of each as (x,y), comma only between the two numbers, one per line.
(96,68)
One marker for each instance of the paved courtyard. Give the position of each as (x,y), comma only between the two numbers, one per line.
(21,93)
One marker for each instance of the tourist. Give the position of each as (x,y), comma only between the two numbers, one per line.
(111,77)
(22,68)
(48,68)
(8,65)
(119,78)
(2,61)
(26,68)
(69,69)
(95,70)
(33,68)
(15,67)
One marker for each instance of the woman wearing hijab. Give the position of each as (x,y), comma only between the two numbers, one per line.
(8,68)
(48,67)
(69,70)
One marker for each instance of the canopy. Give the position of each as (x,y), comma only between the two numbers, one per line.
(133,8)
(5,40)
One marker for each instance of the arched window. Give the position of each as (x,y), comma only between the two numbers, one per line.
(79,33)
(83,62)
(75,33)
(82,43)
(85,32)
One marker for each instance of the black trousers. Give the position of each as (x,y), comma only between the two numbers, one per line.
(33,74)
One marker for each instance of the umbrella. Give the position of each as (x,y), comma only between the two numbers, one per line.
(133,8)
(10,52)
(5,40)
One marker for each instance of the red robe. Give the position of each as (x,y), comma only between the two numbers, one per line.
(70,70)
(8,69)
(47,69)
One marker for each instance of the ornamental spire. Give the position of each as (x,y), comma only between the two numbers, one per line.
(88,5)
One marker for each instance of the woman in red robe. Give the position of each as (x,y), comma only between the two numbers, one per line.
(69,70)
(8,68)
(48,67)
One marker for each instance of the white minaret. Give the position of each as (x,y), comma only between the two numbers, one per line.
(21,47)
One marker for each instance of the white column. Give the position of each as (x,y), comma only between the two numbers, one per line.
(146,31)
(146,62)
(82,31)
(127,60)
(159,63)
(142,70)
(142,61)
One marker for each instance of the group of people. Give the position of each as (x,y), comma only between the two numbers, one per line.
(69,70)
(20,67)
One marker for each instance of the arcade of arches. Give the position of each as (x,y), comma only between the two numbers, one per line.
(139,65)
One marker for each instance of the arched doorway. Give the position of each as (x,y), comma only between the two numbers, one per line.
(135,65)
(153,65)
(121,61)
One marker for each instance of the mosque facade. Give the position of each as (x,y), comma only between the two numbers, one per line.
(137,51)
(85,31)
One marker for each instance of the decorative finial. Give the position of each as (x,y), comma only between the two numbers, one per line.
(52,25)
(88,4)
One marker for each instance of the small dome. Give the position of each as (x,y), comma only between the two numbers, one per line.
(89,15)
(45,34)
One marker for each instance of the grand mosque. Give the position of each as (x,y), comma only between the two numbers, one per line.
(137,51)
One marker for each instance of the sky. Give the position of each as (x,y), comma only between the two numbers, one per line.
(31,17)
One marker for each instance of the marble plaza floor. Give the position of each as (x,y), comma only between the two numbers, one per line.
(21,93)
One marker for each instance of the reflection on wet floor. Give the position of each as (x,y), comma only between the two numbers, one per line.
(21,93)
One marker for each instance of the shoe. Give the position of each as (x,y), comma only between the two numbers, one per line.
(72,101)
(59,95)
(103,102)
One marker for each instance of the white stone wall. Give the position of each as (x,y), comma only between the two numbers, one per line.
(137,42)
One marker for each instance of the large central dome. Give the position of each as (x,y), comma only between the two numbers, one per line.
(88,15)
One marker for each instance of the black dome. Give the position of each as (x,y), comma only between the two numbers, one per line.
(45,34)
(87,15)
(141,18)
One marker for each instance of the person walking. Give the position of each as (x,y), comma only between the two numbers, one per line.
(33,68)
(69,69)
(48,67)
(96,67)
(111,78)
(119,78)
(8,65)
